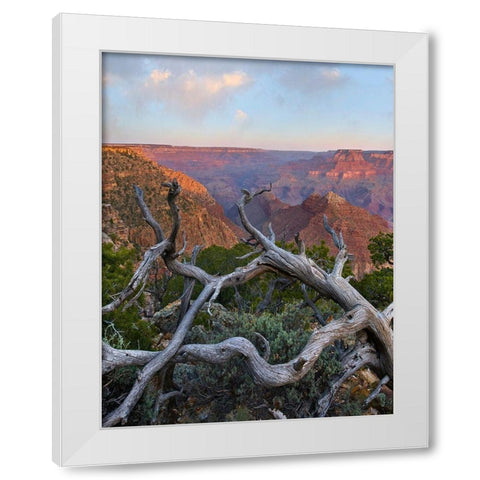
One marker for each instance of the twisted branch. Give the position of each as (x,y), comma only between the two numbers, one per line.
(262,372)
(160,360)
(361,356)
(360,313)
(139,277)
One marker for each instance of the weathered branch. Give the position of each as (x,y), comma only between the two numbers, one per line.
(389,313)
(279,283)
(161,399)
(277,375)
(308,301)
(121,413)
(332,285)
(266,346)
(376,391)
(147,215)
(342,255)
(300,244)
(113,358)
(360,313)
(262,372)
(361,356)
(277,414)
(174,190)
(135,298)
(182,250)
(189,284)
(272,233)
(139,277)
(337,239)
(249,254)
(256,234)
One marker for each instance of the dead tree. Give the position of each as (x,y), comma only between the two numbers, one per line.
(359,314)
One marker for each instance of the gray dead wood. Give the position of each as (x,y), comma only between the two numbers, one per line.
(360,314)
(262,372)
(160,360)
(139,278)
(363,355)
(376,391)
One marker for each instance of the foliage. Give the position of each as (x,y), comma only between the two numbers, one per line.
(122,328)
(377,286)
(381,249)
(228,393)
(220,261)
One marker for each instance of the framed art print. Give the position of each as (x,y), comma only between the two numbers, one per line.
(240,240)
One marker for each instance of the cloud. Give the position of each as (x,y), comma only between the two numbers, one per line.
(312,80)
(331,75)
(157,76)
(109,79)
(192,93)
(241,116)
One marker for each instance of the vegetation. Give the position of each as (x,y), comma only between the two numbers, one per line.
(273,315)
(381,249)
(213,393)
(377,286)
(125,327)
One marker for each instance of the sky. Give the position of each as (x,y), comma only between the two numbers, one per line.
(202,101)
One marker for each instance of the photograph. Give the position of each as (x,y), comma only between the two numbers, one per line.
(247,233)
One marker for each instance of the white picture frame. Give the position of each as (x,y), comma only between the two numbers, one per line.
(78,438)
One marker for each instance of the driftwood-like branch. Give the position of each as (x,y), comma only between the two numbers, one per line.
(121,413)
(388,314)
(279,284)
(308,301)
(261,371)
(113,358)
(250,254)
(342,255)
(337,239)
(361,356)
(161,399)
(266,346)
(332,285)
(147,215)
(360,314)
(174,190)
(277,414)
(300,244)
(376,391)
(256,234)
(272,233)
(182,250)
(139,277)
(189,284)
(135,298)
(269,375)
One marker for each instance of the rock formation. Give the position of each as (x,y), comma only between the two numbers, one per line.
(203,219)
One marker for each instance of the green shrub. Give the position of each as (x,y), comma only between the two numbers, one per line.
(122,328)
(377,287)
(227,392)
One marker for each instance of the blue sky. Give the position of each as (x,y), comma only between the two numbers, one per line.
(280,105)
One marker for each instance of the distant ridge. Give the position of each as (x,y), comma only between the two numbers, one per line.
(357,226)
(363,177)
(167,147)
